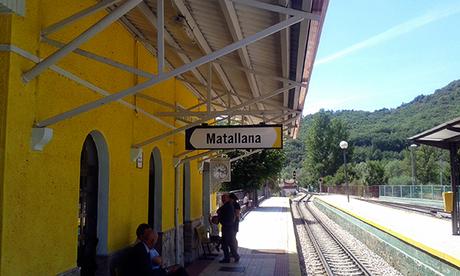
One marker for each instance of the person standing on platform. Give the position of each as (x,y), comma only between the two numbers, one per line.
(237,208)
(246,200)
(226,214)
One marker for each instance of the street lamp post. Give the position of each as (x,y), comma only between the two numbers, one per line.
(412,160)
(344,146)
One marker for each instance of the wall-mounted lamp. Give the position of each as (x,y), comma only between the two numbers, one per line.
(41,136)
(135,153)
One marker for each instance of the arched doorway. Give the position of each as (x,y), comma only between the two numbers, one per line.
(155,190)
(93,202)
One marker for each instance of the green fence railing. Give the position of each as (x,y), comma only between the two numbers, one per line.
(433,192)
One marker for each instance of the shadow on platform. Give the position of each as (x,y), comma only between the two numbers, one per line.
(252,262)
(271,209)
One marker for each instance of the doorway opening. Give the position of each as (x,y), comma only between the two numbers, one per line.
(93,203)
(155,190)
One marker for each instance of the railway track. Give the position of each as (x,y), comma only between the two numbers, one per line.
(437,212)
(330,256)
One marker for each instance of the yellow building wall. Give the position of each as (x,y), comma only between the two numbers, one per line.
(5,31)
(41,189)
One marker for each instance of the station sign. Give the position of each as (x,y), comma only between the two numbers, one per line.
(234,137)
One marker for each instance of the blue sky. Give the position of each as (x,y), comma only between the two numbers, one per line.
(381,53)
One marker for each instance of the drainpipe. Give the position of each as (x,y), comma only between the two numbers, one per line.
(177,163)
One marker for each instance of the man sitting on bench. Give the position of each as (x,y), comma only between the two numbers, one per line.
(145,260)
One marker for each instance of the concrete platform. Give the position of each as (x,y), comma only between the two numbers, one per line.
(430,234)
(266,241)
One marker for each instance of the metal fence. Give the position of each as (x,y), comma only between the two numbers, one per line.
(433,192)
(362,191)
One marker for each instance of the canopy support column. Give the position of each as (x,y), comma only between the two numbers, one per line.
(454,169)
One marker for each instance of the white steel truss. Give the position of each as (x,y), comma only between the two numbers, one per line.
(166,75)
(212,58)
(210,117)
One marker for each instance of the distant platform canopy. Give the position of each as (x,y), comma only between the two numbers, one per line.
(447,136)
(441,136)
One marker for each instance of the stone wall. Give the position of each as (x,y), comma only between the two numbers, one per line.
(191,243)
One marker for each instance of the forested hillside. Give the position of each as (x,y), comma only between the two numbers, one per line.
(377,139)
(384,132)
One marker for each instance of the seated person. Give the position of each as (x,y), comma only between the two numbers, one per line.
(214,233)
(145,260)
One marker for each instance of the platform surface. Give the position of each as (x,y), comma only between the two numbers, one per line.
(428,233)
(266,241)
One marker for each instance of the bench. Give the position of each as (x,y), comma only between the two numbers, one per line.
(205,241)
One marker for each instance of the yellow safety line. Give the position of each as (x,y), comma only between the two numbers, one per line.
(444,256)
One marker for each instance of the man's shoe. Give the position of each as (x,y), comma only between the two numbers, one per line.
(224,261)
(237,259)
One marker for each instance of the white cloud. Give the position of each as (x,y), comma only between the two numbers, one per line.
(335,104)
(391,33)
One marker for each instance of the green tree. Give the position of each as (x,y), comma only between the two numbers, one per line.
(249,173)
(376,173)
(396,168)
(427,164)
(323,155)
(294,151)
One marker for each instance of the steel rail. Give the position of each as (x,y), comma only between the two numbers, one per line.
(427,210)
(313,240)
(339,243)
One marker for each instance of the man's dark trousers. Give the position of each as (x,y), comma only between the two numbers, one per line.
(229,242)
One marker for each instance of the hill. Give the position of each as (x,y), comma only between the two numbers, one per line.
(383,134)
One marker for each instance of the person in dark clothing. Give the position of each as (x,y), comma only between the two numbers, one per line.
(226,214)
(237,208)
(144,260)
(139,261)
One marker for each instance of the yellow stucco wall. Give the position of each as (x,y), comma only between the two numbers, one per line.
(5,31)
(40,191)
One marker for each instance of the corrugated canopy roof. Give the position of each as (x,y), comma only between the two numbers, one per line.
(195,28)
(440,136)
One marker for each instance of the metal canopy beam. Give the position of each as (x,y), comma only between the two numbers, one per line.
(285,37)
(245,155)
(81,14)
(220,113)
(245,69)
(152,20)
(166,75)
(82,38)
(235,30)
(149,47)
(196,156)
(301,53)
(157,101)
(101,59)
(266,102)
(160,36)
(205,46)
(279,9)
(210,117)
(121,66)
